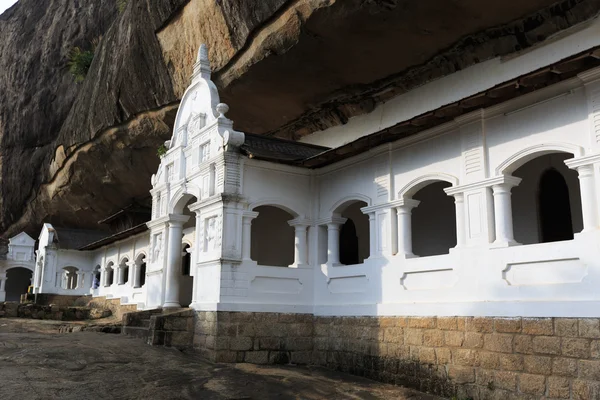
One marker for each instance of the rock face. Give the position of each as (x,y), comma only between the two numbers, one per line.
(73,153)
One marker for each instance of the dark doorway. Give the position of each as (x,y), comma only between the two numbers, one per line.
(17,281)
(142,274)
(555,207)
(348,244)
(186,262)
(354,238)
(186,282)
(433,221)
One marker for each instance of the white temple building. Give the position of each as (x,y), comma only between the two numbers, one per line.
(474,194)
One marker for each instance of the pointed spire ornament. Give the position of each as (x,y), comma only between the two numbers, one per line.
(202,66)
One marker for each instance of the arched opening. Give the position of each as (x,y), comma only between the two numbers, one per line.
(96,277)
(18,280)
(139,278)
(272,238)
(109,274)
(123,271)
(70,278)
(546,205)
(433,222)
(186,281)
(354,234)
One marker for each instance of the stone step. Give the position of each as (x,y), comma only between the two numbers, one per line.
(136,331)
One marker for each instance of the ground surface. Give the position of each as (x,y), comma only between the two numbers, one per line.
(38,363)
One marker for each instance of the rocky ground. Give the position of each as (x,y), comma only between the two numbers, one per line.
(36,362)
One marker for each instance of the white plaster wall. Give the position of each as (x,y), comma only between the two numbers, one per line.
(560,120)
(477,278)
(271,184)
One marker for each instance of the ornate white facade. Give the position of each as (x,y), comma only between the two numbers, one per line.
(492,213)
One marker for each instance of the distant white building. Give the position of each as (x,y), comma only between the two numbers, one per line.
(475,194)
(17,268)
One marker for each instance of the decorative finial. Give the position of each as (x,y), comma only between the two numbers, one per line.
(202,53)
(222,109)
(202,65)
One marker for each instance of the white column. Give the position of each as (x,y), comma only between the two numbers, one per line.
(589,207)
(333,240)
(503,211)
(131,273)
(404,215)
(459,203)
(2,282)
(247,218)
(80,277)
(120,274)
(137,273)
(173,269)
(300,242)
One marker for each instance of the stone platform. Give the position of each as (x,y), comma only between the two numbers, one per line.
(88,365)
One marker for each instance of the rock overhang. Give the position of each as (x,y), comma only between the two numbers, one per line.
(348,57)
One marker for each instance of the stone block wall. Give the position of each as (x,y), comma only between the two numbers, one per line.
(174,329)
(467,357)
(257,338)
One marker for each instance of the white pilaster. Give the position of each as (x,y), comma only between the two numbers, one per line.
(373,234)
(174,260)
(503,211)
(247,218)
(459,203)
(585,167)
(3,283)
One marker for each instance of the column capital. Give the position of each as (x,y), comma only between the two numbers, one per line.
(505,183)
(177,220)
(405,204)
(459,197)
(583,165)
(332,221)
(299,222)
(249,215)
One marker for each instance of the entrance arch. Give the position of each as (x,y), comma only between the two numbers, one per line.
(354,234)
(272,237)
(434,220)
(546,205)
(18,280)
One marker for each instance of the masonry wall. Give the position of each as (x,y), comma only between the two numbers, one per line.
(467,357)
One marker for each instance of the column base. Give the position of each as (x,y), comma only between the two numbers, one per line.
(498,244)
(171,305)
(406,255)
